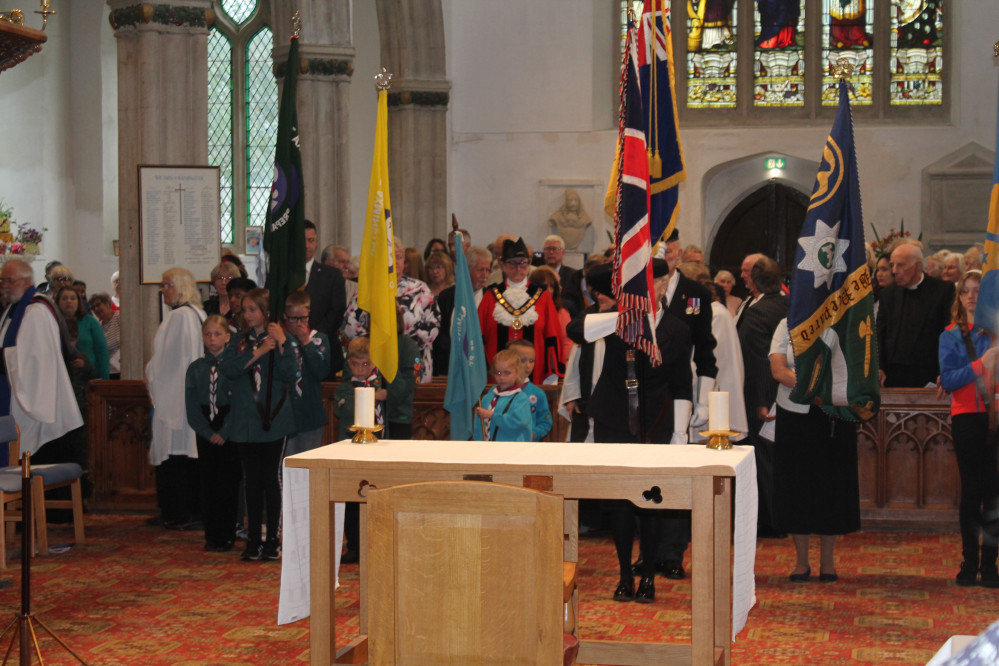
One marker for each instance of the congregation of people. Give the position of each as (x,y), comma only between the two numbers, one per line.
(233,392)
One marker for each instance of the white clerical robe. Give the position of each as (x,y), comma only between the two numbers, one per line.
(177,344)
(42,400)
(728,358)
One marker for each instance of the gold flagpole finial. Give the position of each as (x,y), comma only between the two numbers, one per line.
(842,69)
(995,49)
(383,79)
(296,23)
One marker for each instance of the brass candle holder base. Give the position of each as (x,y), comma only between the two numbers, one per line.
(365,435)
(719,439)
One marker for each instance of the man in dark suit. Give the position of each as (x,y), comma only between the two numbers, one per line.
(765,307)
(690,303)
(325,286)
(569,278)
(665,391)
(912,314)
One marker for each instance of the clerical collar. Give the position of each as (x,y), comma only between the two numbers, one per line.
(922,276)
(522,284)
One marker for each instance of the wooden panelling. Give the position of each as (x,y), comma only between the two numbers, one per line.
(119,437)
(908,471)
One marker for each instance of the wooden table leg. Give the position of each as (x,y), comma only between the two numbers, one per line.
(723,567)
(322,540)
(702,616)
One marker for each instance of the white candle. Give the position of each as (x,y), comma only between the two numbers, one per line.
(718,410)
(364,406)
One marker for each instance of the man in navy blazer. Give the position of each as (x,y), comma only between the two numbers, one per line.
(325,286)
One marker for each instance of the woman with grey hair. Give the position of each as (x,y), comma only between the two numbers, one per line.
(218,303)
(174,451)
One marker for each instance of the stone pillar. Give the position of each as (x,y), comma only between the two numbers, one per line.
(326,63)
(412,48)
(162,120)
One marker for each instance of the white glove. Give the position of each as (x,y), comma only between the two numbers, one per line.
(700,417)
(681,417)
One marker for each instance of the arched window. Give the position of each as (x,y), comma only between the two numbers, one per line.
(242,112)
(770,61)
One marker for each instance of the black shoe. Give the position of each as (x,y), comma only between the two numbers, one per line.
(185,526)
(271,551)
(625,590)
(671,569)
(968,575)
(828,577)
(155,521)
(990,576)
(221,547)
(802,577)
(350,557)
(646,593)
(252,552)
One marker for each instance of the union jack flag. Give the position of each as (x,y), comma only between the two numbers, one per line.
(632,279)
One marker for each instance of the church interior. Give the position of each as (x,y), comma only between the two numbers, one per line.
(496,110)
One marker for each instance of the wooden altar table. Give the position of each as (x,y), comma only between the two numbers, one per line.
(651,476)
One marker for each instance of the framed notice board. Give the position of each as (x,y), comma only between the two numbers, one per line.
(178,220)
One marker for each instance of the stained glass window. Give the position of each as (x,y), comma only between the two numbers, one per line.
(220,123)
(848,38)
(779,53)
(711,53)
(261,126)
(916,52)
(239,10)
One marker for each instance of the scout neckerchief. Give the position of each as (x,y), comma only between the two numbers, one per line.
(497,394)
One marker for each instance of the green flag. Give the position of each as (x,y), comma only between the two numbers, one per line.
(284,234)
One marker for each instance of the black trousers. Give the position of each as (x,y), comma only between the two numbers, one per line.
(261,467)
(976,462)
(623,514)
(177,489)
(219,471)
(764,475)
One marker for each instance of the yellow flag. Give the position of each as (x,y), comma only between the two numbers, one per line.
(378,276)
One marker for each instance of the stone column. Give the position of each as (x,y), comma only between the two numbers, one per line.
(162,119)
(412,48)
(326,63)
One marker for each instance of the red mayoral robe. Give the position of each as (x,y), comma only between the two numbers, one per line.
(510,313)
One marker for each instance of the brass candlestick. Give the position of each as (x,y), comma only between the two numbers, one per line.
(364,434)
(719,439)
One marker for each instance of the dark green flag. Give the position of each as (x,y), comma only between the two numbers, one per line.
(284,235)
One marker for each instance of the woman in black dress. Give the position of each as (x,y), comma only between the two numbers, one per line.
(816,488)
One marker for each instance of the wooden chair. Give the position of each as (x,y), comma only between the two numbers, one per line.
(10,489)
(464,572)
(44,478)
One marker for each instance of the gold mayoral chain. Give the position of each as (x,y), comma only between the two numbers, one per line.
(516,312)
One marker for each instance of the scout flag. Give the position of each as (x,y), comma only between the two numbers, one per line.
(831,318)
(378,276)
(987,310)
(467,374)
(284,234)
(632,277)
(658,121)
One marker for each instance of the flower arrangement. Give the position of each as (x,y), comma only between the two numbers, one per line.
(881,245)
(25,243)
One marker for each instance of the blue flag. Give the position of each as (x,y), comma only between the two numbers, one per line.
(987,310)
(467,375)
(831,318)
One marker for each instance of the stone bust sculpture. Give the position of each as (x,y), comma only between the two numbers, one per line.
(570,221)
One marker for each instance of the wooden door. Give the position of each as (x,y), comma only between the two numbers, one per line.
(769,221)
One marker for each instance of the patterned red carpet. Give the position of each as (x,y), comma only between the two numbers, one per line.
(141,595)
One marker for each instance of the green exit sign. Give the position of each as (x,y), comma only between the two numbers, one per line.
(774,162)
